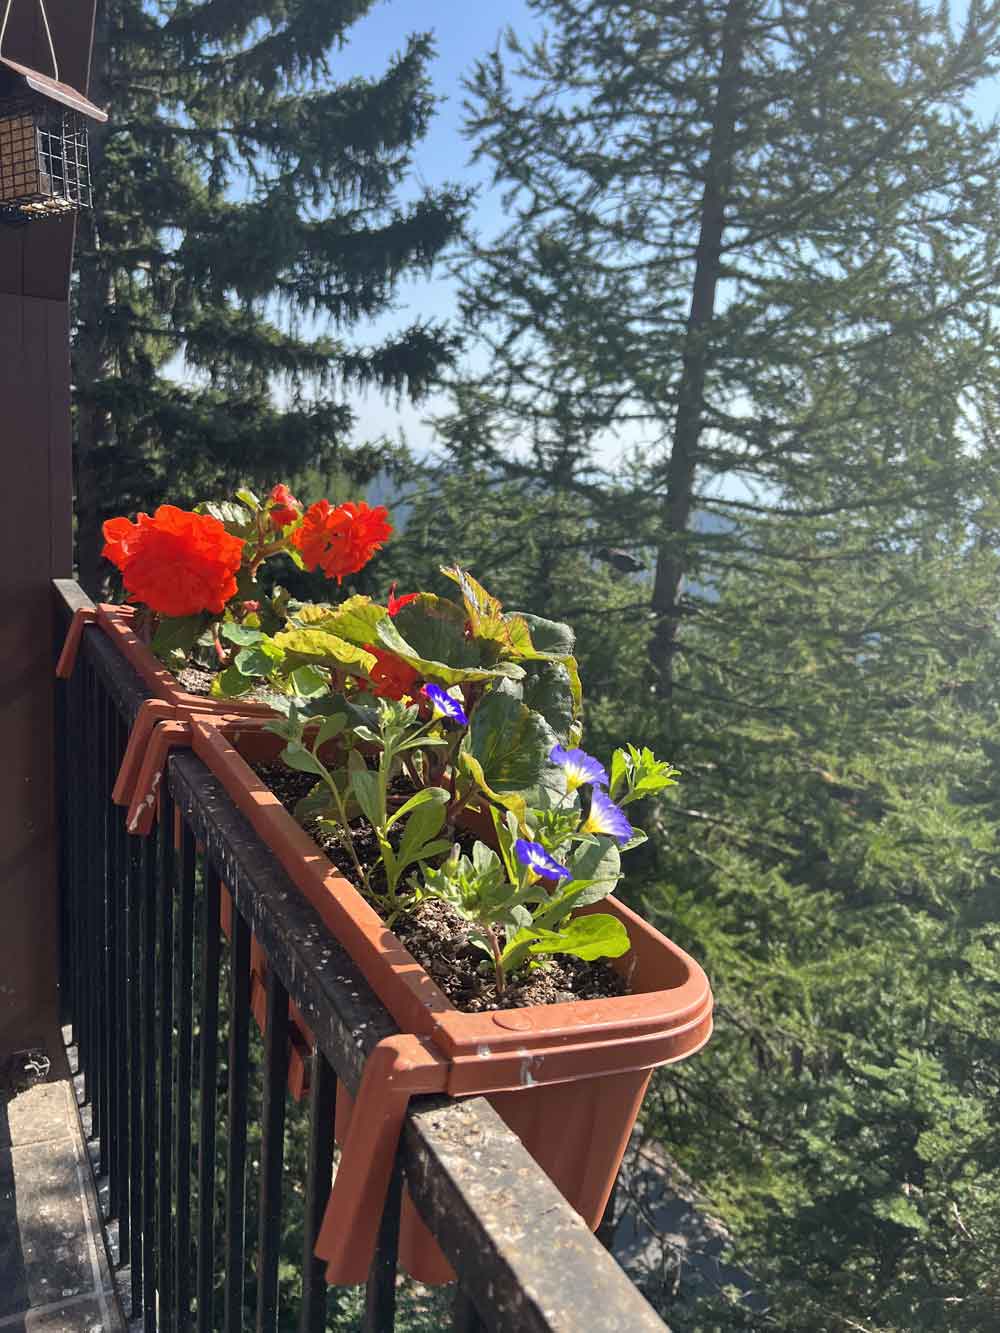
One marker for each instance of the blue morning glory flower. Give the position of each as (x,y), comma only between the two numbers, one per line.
(605,817)
(534,855)
(446,704)
(579,767)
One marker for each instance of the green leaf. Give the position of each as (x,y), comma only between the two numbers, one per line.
(485,859)
(511,801)
(511,745)
(483,610)
(249,499)
(507,832)
(547,689)
(419,841)
(367,789)
(175,637)
(355,620)
(314,805)
(549,637)
(599,862)
(260,660)
(636,840)
(233,517)
(330,727)
(429,634)
(424,796)
(619,771)
(308,682)
(244,635)
(298,756)
(588,937)
(320,646)
(230,684)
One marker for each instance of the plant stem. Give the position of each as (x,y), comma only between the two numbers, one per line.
(497,959)
(262,554)
(456,806)
(220,652)
(347,840)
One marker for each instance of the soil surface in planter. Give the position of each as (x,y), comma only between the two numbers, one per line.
(195,679)
(198,680)
(438,938)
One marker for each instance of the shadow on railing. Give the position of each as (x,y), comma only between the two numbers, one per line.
(217,1178)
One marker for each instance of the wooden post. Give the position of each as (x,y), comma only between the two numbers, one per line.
(36,492)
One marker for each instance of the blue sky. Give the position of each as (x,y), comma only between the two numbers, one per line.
(464,31)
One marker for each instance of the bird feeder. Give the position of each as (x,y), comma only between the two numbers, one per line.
(44,162)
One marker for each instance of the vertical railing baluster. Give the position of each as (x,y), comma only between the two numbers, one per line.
(95,893)
(319,1172)
(239,1032)
(207,1076)
(62,752)
(85,976)
(75,779)
(183,984)
(165,900)
(272,1153)
(464,1315)
(112,1075)
(148,856)
(124,1074)
(380,1294)
(133,1045)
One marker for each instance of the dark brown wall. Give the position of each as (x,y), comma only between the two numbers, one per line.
(35,546)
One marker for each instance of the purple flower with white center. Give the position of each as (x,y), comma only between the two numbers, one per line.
(534,855)
(446,704)
(605,817)
(579,767)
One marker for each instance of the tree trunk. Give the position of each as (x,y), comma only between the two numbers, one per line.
(91,351)
(671,556)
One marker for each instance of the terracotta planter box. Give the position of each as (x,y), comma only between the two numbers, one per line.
(116,622)
(567,1078)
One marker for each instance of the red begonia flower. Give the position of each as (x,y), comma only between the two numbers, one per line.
(342,539)
(177,563)
(391,677)
(286,509)
(118,533)
(396,604)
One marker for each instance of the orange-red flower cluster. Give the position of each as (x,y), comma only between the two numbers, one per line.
(391,677)
(342,539)
(177,563)
(395,604)
(285,508)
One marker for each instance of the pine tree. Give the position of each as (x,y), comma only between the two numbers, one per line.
(251,210)
(832,862)
(740,230)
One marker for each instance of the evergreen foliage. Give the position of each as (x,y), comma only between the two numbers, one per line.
(817,645)
(250,211)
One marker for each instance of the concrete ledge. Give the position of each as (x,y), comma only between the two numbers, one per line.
(54,1275)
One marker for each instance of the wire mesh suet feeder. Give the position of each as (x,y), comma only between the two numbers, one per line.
(44,162)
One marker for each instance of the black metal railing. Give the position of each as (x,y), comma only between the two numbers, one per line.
(216,1178)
